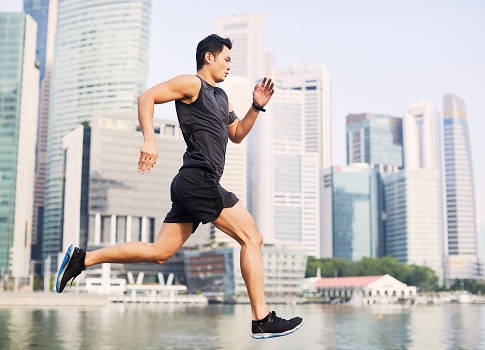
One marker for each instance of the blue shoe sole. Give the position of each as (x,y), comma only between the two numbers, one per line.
(274,335)
(63,267)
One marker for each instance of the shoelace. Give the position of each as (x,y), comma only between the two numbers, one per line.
(275,318)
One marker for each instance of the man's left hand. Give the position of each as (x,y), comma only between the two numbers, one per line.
(262,92)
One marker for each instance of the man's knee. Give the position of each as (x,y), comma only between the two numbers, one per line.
(158,257)
(254,238)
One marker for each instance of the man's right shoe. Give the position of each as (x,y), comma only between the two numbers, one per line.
(72,265)
(273,326)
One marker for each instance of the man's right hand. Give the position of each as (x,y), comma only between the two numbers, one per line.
(148,156)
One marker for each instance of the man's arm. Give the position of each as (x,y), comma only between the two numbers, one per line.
(184,88)
(262,93)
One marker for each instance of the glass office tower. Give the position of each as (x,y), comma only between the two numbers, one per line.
(44,13)
(19,91)
(101,64)
(462,259)
(351,213)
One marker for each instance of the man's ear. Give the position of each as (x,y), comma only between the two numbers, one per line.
(208,57)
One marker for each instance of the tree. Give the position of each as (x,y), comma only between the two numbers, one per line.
(424,278)
(379,266)
(329,267)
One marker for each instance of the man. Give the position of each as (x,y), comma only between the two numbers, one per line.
(207,120)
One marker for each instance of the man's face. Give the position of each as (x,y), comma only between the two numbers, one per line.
(221,65)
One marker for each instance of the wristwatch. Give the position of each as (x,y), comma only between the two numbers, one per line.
(258,107)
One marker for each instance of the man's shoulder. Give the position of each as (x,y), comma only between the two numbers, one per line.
(189,85)
(187,79)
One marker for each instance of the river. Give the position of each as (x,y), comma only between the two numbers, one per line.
(175,326)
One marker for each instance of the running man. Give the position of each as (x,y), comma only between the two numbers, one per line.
(207,121)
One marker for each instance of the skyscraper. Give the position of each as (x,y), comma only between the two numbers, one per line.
(101,186)
(375,139)
(460,191)
(421,132)
(101,64)
(248,53)
(314,82)
(414,233)
(284,176)
(413,197)
(19,91)
(350,212)
(284,158)
(45,14)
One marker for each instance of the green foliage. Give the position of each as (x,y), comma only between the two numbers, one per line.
(424,278)
(473,286)
(330,267)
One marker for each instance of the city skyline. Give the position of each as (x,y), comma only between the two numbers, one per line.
(381,56)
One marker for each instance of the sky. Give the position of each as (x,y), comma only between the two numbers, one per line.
(382,55)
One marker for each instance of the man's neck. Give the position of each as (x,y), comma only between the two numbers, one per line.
(206,76)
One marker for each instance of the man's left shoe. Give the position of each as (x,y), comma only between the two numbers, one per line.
(72,265)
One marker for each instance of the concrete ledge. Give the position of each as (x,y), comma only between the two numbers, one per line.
(51,299)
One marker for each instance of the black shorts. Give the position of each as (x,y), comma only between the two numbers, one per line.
(197,197)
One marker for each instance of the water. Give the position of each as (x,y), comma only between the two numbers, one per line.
(155,326)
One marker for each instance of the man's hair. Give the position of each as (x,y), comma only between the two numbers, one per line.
(213,44)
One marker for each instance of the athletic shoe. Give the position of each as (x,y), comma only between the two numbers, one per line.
(273,326)
(71,267)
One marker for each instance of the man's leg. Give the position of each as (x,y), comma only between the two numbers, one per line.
(169,240)
(238,223)
(171,237)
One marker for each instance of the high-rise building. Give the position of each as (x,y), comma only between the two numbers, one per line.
(421,136)
(19,91)
(414,233)
(460,192)
(314,82)
(284,176)
(248,53)
(350,212)
(375,139)
(106,201)
(423,186)
(101,62)
(45,14)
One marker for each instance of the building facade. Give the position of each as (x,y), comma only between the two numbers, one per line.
(107,202)
(44,13)
(248,35)
(101,63)
(284,177)
(421,132)
(19,91)
(314,83)
(350,212)
(375,139)
(460,193)
(414,233)
(217,274)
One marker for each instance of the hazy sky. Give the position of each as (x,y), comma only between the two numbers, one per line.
(382,55)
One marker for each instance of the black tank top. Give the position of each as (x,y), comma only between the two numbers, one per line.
(204,125)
